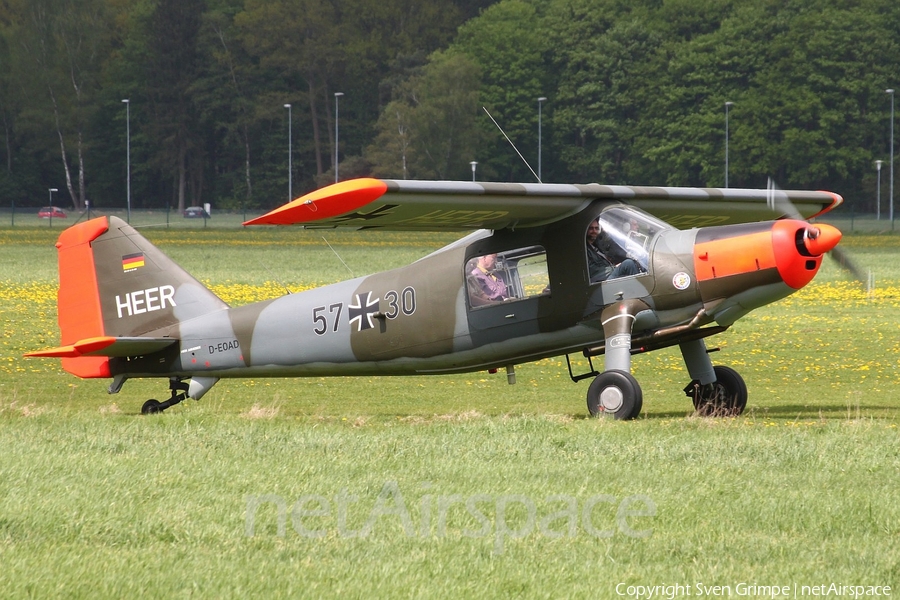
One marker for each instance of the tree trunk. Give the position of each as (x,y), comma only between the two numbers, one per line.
(247,165)
(62,148)
(81,190)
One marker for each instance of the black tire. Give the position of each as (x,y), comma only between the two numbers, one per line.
(151,407)
(615,394)
(726,397)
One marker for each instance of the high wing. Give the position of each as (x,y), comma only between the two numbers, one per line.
(459,206)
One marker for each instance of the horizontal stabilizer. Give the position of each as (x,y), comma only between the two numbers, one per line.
(107,346)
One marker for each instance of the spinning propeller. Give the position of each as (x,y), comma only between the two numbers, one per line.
(814,240)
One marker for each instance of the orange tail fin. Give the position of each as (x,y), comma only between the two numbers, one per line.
(78,300)
(119,295)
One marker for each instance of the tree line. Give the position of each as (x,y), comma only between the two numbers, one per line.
(241,103)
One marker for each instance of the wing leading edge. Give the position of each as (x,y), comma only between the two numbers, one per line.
(460,206)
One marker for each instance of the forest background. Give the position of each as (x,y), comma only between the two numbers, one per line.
(634,92)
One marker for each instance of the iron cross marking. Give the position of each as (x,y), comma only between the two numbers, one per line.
(362,310)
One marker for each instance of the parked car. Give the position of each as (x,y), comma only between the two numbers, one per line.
(52,212)
(195,212)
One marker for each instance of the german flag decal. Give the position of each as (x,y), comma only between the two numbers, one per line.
(130,262)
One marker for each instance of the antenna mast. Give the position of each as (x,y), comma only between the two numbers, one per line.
(513,145)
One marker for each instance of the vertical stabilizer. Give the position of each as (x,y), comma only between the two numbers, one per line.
(114,283)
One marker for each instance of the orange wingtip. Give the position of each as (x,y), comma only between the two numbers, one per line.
(324,203)
(836,200)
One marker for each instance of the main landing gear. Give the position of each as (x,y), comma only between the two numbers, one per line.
(715,391)
(179,393)
(615,393)
(725,397)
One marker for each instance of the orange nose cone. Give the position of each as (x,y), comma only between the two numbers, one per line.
(799,248)
(821,238)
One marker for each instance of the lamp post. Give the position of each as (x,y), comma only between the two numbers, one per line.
(337,96)
(290,172)
(878,193)
(474,164)
(51,204)
(727,106)
(127,102)
(891,192)
(540,102)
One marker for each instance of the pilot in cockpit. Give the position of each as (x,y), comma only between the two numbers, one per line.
(606,259)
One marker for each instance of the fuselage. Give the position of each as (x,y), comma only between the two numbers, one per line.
(429,317)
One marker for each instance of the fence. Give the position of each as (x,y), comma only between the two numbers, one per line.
(28,217)
(846,221)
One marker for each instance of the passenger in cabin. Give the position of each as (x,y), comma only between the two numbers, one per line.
(487,284)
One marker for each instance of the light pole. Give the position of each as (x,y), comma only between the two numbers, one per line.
(337,95)
(51,204)
(127,102)
(540,102)
(474,164)
(891,192)
(290,172)
(727,106)
(878,193)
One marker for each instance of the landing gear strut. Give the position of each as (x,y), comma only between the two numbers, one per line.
(725,397)
(615,392)
(179,393)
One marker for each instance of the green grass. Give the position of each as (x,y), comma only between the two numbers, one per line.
(97,501)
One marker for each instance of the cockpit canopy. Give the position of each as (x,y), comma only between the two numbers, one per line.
(632,231)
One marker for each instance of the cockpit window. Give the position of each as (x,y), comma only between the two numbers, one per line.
(618,243)
(507,276)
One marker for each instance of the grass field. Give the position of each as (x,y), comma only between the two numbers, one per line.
(450,486)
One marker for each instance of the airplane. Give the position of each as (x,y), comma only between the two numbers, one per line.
(682,264)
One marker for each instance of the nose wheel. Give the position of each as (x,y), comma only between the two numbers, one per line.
(725,397)
(615,394)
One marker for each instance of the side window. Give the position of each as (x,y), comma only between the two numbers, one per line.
(507,276)
(618,243)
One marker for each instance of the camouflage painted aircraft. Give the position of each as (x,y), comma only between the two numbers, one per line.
(550,270)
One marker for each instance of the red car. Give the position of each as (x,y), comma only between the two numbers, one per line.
(52,212)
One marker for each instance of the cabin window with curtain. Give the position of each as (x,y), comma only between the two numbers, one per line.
(507,276)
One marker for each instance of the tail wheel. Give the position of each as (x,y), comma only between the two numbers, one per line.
(725,397)
(151,407)
(615,394)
